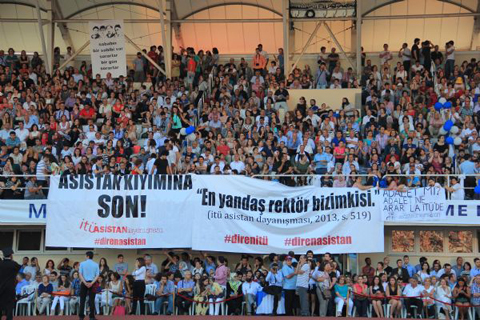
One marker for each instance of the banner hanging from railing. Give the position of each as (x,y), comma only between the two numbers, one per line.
(215,213)
(419,204)
(107,48)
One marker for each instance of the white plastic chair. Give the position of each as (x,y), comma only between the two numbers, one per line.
(26,305)
(150,305)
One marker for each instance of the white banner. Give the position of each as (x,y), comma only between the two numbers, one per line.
(202,212)
(418,204)
(107,48)
(135,211)
(255,216)
(23,212)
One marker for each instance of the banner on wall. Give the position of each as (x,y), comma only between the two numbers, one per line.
(107,48)
(255,216)
(110,211)
(419,204)
(23,212)
(215,213)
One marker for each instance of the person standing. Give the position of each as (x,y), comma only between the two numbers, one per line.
(8,273)
(303,273)
(289,285)
(89,273)
(275,282)
(139,286)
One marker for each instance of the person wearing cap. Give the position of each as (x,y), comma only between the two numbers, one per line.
(8,273)
(274,288)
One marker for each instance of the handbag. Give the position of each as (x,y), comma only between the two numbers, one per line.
(118,311)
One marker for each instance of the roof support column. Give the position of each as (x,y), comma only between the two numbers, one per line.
(358,27)
(286,36)
(165,25)
(46,57)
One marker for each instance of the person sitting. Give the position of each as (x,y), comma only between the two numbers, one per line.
(342,296)
(64,288)
(164,293)
(44,292)
(413,292)
(377,291)
(250,290)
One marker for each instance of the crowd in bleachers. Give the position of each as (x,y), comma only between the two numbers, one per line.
(307,285)
(418,118)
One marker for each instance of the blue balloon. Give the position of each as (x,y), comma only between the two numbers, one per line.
(336,115)
(448,125)
(477,190)
(438,106)
(447,105)
(449,140)
(189,130)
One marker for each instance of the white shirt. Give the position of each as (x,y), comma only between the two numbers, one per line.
(406,54)
(251,288)
(302,279)
(22,134)
(139,274)
(459,193)
(451,56)
(237,165)
(410,291)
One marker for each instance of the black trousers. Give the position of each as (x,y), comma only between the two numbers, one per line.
(7,302)
(182,304)
(362,306)
(84,292)
(289,302)
(138,295)
(276,292)
(413,302)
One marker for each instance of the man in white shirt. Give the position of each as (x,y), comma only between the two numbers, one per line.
(456,189)
(303,273)
(236,164)
(21,132)
(411,291)
(385,55)
(450,62)
(406,56)
(250,290)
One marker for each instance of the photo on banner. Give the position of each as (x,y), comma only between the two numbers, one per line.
(107,48)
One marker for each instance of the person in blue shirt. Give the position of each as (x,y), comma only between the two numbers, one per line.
(44,293)
(275,283)
(476,269)
(89,273)
(289,285)
(339,137)
(164,293)
(321,160)
(408,266)
(21,282)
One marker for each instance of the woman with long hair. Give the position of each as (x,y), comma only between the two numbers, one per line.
(376,290)
(139,286)
(394,292)
(461,294)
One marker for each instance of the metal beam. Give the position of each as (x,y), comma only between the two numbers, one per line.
(144,54)
(340,46)
(57,14)
(234,3)
(314,33)
(74,55)
(166,40)
(21,3)
(42,37)
(359,39)
(286,36)
(177,28)
(476,28)
(112,3)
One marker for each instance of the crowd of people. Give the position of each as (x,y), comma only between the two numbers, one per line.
(306,285)
(215,117)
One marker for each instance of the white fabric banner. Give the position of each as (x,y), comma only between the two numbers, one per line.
(107,48)
(23,212)
(256,216)
(215,213)
(418,204)
(134,211)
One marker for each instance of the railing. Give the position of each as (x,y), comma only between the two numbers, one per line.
(468,182)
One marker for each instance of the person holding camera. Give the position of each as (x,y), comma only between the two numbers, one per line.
(274,288)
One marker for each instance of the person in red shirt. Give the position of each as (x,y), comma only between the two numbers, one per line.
(87,113)
(223,148)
